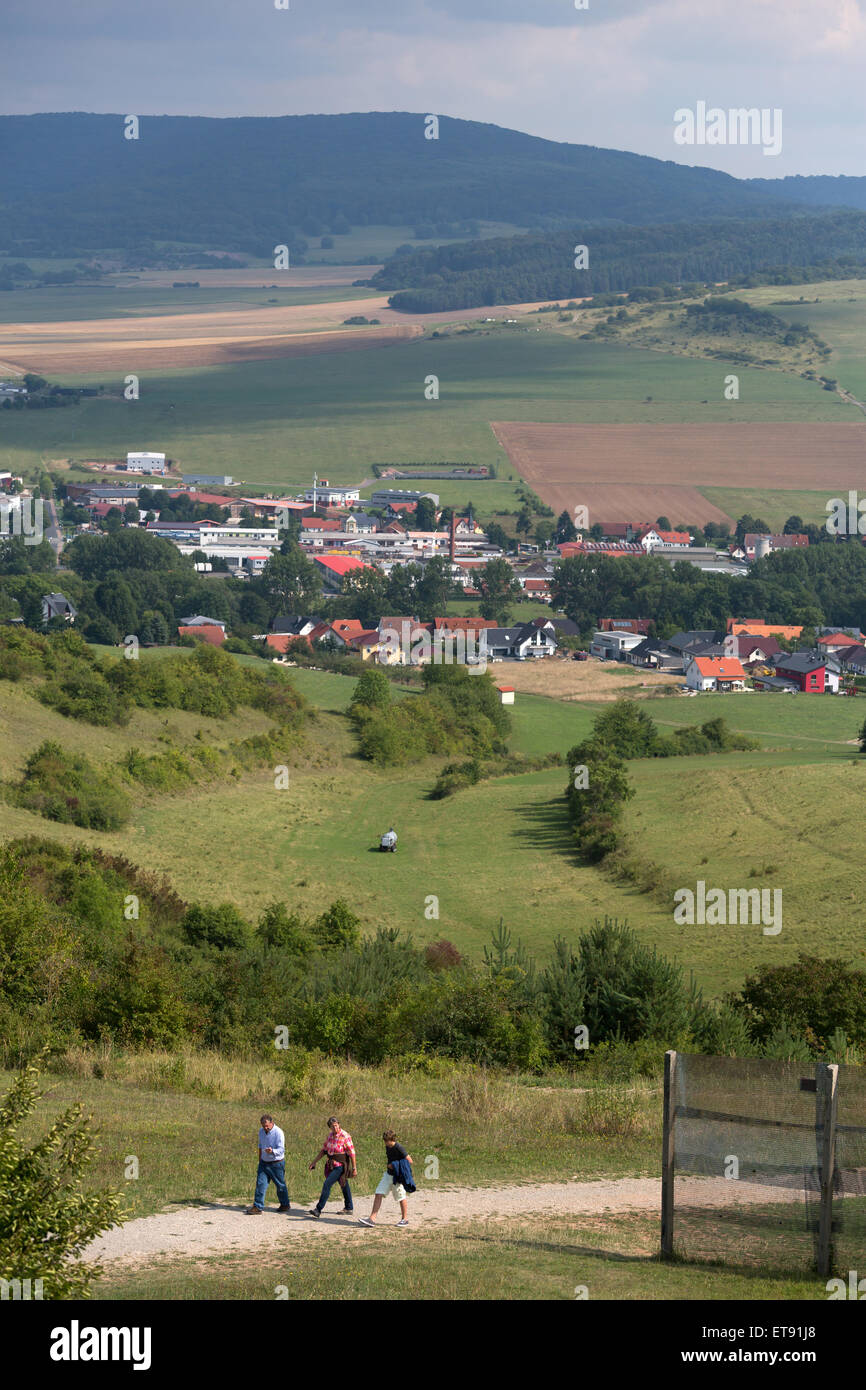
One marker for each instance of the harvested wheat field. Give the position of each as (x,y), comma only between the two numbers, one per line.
(562,679)
(219,336)
(634,472)
(155,354)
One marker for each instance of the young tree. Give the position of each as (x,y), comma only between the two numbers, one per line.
(499,589)
(292,581)
(425,515)
(497,536)
(46,1220)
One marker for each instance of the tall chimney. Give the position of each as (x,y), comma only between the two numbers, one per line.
(451,546)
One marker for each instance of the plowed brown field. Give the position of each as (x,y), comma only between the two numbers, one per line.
(639,472)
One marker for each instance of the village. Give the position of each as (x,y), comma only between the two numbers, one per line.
(226,534)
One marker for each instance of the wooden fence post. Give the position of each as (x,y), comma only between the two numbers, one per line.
(826,1080)
(670,1104)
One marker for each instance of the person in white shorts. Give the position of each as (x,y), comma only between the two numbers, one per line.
(399,1167)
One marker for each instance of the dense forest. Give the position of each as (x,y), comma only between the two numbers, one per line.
(537,266)
(73,181)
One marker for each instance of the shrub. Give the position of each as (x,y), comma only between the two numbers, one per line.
(442,955)
(285,931)
(609,1114)
(821,995)
(222,927)
(66,787)
(338,929)
(46,1218)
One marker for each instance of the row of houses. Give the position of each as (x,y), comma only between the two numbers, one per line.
(405,640)
(711,660)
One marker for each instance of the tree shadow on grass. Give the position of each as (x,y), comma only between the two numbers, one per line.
(766,1273)
(548,825)
(557,1248)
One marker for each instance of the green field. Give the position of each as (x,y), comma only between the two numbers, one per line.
(774,505)
(276,422)
(62,303)
(503,849)
(839,317)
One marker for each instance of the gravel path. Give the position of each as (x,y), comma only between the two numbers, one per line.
(220,1228)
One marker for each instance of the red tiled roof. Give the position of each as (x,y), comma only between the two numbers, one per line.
(347,627)
(462,624)
(722,667)
(340,564)
(206,631)
(736,625)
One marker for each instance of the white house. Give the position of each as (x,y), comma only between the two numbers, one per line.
(612,646)
(145,462)
(325,495)
(665,540)
(715,673)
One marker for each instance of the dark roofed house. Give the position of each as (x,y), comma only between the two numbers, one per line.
(656,656)
(57,606)
(853,659)
(751,649)
(523,642)
(688,641)
(807,670)
(294,625)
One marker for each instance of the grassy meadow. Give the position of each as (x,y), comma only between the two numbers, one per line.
(503,849)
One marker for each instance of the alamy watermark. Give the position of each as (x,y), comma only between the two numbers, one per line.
(846,519)
(738,907)
(23,517)
(740,125)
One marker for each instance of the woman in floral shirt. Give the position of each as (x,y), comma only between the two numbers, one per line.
(339,1153)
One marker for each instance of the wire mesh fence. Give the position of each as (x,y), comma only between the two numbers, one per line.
(765,1164)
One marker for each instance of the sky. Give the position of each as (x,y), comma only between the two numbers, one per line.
(613,74)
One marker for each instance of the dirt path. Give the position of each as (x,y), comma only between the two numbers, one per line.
(220,1228)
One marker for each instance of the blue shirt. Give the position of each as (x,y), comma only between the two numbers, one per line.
(272,1139)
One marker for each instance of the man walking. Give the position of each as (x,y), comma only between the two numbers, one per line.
(272,1167)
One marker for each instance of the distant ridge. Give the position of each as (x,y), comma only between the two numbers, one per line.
(72,183)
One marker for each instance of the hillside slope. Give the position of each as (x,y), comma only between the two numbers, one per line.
(72,179)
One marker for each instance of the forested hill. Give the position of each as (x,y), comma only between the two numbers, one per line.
(817,190)
(507,270)
(72,183)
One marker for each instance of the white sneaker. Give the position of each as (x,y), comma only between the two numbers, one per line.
(402,1223)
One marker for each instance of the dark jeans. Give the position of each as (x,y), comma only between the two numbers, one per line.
(336,1175)
(275,1173)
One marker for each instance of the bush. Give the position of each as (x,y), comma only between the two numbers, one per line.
(608,1114)
(284,931)
(442,955)
(814,994)
(338,929)
(46,1219)
(222,927)
(66,787)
